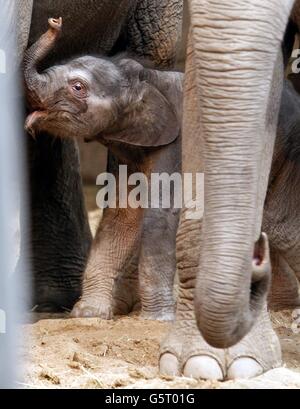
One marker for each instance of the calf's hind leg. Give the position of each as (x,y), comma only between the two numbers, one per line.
(157,264)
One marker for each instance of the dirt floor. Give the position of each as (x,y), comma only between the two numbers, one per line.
(91,353)
(123,353)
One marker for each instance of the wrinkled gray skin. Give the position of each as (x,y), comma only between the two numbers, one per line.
(282,206)
(234,76)
(136,113)
(150,29)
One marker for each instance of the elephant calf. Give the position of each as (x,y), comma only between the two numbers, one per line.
(136,113)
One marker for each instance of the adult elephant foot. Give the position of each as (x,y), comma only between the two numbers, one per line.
(257,353)
(184,352)
(191,356)
(54,300)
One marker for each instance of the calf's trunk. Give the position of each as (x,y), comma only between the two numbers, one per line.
(36,82)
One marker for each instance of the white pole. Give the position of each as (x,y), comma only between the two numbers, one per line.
(11,195)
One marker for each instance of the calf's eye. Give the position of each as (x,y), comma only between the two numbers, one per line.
(78,86)
(79,89)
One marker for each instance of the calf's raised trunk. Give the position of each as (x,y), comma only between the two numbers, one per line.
(35,82)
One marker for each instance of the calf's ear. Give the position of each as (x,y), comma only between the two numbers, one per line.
(149,118)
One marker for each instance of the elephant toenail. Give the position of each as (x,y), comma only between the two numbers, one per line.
(244,368)
(203,367)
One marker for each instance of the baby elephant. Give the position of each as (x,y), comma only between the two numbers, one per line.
(136,113)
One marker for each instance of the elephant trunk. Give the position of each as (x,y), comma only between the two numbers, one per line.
(235,267)
(34,81)
(236,63)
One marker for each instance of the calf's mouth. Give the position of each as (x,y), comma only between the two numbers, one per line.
(33,119)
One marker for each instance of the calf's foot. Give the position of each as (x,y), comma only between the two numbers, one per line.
(126,294)
(96,302)
(158,306)
(91,307)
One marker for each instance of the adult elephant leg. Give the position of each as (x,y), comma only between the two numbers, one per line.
(59,231)
(192,355)
(154,30)
(57,237)
(184,349)
(239,128)
(281,211)
(284,292)
(293,259)
(116,240)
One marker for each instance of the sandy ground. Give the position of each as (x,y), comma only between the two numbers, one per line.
(123,353)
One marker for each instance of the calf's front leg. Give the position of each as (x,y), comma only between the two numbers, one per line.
(116,240)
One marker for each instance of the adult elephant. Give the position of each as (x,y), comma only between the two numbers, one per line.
(60,235)
(234,77)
